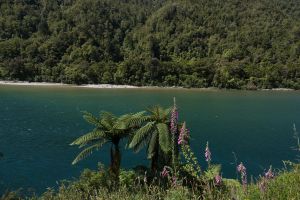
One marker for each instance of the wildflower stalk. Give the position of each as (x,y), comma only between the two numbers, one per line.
(192,165)
(174,132)
(218,180)
(242,169)
(265,179)
(207,155)
(269,174)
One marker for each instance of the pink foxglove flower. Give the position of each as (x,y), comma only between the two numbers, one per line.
(174,119)
(269,174)
(218,179)
(264,182)
(184,135)
(207,153)
(165,172)
(242,169)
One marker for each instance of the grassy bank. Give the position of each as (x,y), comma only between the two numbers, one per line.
(95,185)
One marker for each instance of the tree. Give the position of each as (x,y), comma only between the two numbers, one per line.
(154,133)
(108,129)
(161,43)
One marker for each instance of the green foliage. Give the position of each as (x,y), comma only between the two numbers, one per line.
(211,172)
(154,133)
(127,178)
(285,186)
(97,185)
(178,193)
(11,196)
(242,45)
(191,164)
(108,129)
(93,180)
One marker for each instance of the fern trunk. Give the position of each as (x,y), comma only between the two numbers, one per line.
(154,162)
(115,160)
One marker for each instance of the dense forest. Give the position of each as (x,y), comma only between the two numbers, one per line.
(243,44)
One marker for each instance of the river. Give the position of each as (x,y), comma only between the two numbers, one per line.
(37,123)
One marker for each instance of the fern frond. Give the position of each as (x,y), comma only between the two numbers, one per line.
(107,120)
(120,125)
(167,112)
(152,145)
(141,134)
(141,144)
(164,137)
(107,115)
(88,151)
(124,117)
(89,137)
(138,114)
(137,121)
(153,110)
(90,118)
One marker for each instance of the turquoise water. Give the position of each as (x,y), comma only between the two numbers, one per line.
(38,123)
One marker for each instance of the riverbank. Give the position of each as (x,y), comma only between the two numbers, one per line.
(100,86)
(25,83)
(109,86)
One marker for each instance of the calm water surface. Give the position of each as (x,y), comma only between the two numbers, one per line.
(38,123)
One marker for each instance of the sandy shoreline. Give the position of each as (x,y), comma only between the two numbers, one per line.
(103,86)
(108,86)
(30,83)
(25,83)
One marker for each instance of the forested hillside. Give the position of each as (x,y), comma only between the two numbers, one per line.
(193,43)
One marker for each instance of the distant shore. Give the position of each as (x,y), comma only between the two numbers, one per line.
(26,83)
(108,86)
(104,86)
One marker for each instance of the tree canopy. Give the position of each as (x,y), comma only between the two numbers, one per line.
(203,43)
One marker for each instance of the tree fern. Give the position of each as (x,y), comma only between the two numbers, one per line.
(154,133)
(108,129)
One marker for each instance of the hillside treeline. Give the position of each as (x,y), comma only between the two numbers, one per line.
(246,44)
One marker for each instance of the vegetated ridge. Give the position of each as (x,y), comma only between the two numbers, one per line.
(238,44)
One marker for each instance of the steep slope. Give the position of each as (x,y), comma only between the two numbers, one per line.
(193,43)
(257,40)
